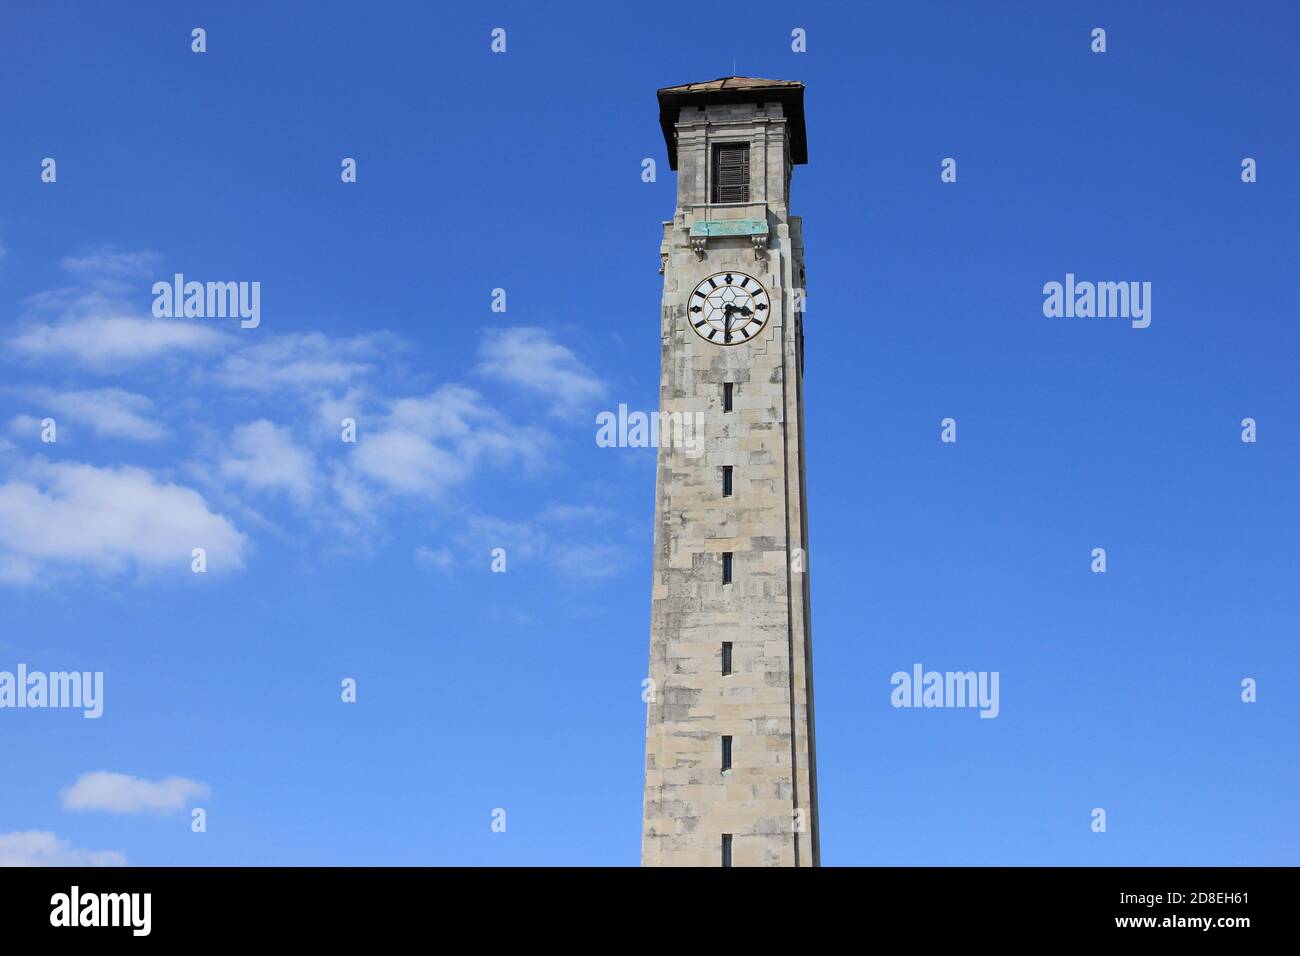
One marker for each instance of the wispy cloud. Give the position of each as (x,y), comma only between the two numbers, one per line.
(106,261)
(562,538)
(564,513)
(531,359)
(587,561)
(307,363)
(439,559)
(108,412)
(425,445)
(416,455)
(408,463)
(102,320)
(522,539)
(110,342)
(264,457)
(43,848)
(123,793)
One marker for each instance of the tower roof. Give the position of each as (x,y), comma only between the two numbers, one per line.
(735,89)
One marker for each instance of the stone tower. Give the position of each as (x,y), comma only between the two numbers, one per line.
(731,768)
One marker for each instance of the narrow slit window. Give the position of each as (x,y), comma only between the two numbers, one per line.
(726,481)
(726,567)
(726,396)
(726,753)
(726,657)
(726,849)
(731,172)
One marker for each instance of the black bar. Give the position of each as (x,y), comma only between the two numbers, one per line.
(978,905)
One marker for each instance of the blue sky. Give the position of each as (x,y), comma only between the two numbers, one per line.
(521,171)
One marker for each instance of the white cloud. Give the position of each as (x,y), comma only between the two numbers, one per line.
(100,322)
(353,493)
(123,793)
(450,412)
(108,520)
(264,456)
(587,561)
(427,444)
(565,513)
(25,426)
(522,540)
(567,552)
(408,463)
(331,409)
(531,359)
(440,558)
(460,418)
(105,261)
(42,848)
(301,362)
(109,412)
(412,450)
(510,616)
(101,342)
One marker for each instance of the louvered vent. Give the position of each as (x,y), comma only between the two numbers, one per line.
(731,172)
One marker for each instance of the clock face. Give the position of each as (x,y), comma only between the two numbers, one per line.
(728,308)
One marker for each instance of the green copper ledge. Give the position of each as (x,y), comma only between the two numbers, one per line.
(729,227)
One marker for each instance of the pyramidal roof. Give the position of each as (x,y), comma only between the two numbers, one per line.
(735,89)
(732,83)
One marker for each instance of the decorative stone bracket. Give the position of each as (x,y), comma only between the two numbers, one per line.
(704,230)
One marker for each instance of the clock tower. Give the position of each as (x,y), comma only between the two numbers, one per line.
(731,766)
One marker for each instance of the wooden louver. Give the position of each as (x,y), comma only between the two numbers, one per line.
(731,172)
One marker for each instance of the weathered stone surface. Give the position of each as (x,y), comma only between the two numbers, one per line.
(767,800)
